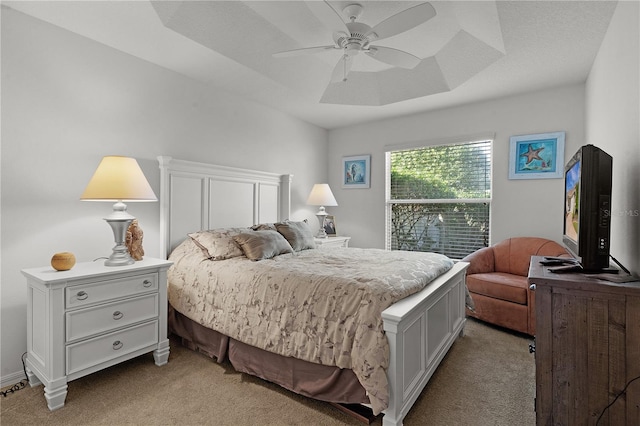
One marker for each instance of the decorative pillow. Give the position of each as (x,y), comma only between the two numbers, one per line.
(264,227)
(218,244)
(258,245)
(299,234)
(188,247)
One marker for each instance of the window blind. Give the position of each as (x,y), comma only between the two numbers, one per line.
(439,198)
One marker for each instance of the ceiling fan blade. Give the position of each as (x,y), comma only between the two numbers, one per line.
(342,69)
(303,51)
(395,57)
(402,21)
(328,16)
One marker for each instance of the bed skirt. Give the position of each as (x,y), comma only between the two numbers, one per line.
(322,382)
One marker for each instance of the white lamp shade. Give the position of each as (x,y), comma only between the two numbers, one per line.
(321,195)
(118,179)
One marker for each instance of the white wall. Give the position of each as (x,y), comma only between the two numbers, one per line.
(519,207)
(613,124)
(66,102)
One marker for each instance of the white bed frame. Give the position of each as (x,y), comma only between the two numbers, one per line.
(421,328)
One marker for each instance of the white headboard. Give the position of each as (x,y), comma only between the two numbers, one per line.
(198,196)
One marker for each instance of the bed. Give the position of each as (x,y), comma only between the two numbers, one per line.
(384,363)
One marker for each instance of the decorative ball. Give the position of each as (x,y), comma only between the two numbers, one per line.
(63,261)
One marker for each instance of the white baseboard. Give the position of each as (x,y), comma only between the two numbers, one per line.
(11,379)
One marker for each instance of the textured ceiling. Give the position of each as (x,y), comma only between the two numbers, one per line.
(471,50)
(454,45)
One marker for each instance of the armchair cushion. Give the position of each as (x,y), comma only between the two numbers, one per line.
(499,285)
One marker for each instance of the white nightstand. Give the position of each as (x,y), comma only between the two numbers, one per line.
(92,317)
(331,242)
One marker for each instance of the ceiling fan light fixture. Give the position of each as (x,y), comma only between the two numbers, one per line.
(352,49)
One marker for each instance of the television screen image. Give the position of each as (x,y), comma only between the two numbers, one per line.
(572,199)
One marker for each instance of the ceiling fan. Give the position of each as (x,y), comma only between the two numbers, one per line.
(354,37)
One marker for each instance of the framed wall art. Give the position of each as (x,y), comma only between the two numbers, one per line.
(539,156)
(356,171)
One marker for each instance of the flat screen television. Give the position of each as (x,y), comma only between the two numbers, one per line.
(587,208)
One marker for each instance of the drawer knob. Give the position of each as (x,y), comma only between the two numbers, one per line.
(532,287)
(82,295)
(117,315)
(117,345)
(147,283)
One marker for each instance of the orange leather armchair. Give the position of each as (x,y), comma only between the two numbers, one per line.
(497,281)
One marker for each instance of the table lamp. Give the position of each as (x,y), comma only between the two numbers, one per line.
(118,179)
(321,195)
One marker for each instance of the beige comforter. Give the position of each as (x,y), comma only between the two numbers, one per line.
(322,306)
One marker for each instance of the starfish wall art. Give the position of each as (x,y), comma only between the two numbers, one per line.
(537,156)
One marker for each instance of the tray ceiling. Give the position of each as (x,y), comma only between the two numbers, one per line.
(471,51)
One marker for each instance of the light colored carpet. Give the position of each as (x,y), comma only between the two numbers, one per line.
(488,378)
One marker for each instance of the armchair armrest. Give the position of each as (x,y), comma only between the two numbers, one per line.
(481,261)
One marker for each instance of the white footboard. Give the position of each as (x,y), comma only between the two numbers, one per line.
(421,329)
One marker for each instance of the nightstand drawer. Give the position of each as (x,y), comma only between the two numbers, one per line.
(92,352)
(86,322)
(88,294)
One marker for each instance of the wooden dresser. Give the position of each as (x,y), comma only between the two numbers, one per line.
(587,348)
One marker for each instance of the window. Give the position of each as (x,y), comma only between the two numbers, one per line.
(438,198)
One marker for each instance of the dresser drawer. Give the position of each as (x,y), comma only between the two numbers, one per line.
(101,349)
(101,291)
(86,322)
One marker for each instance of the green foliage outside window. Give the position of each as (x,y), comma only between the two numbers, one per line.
(445,182)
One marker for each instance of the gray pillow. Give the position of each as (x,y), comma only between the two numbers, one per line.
(299,234)
(258,245)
